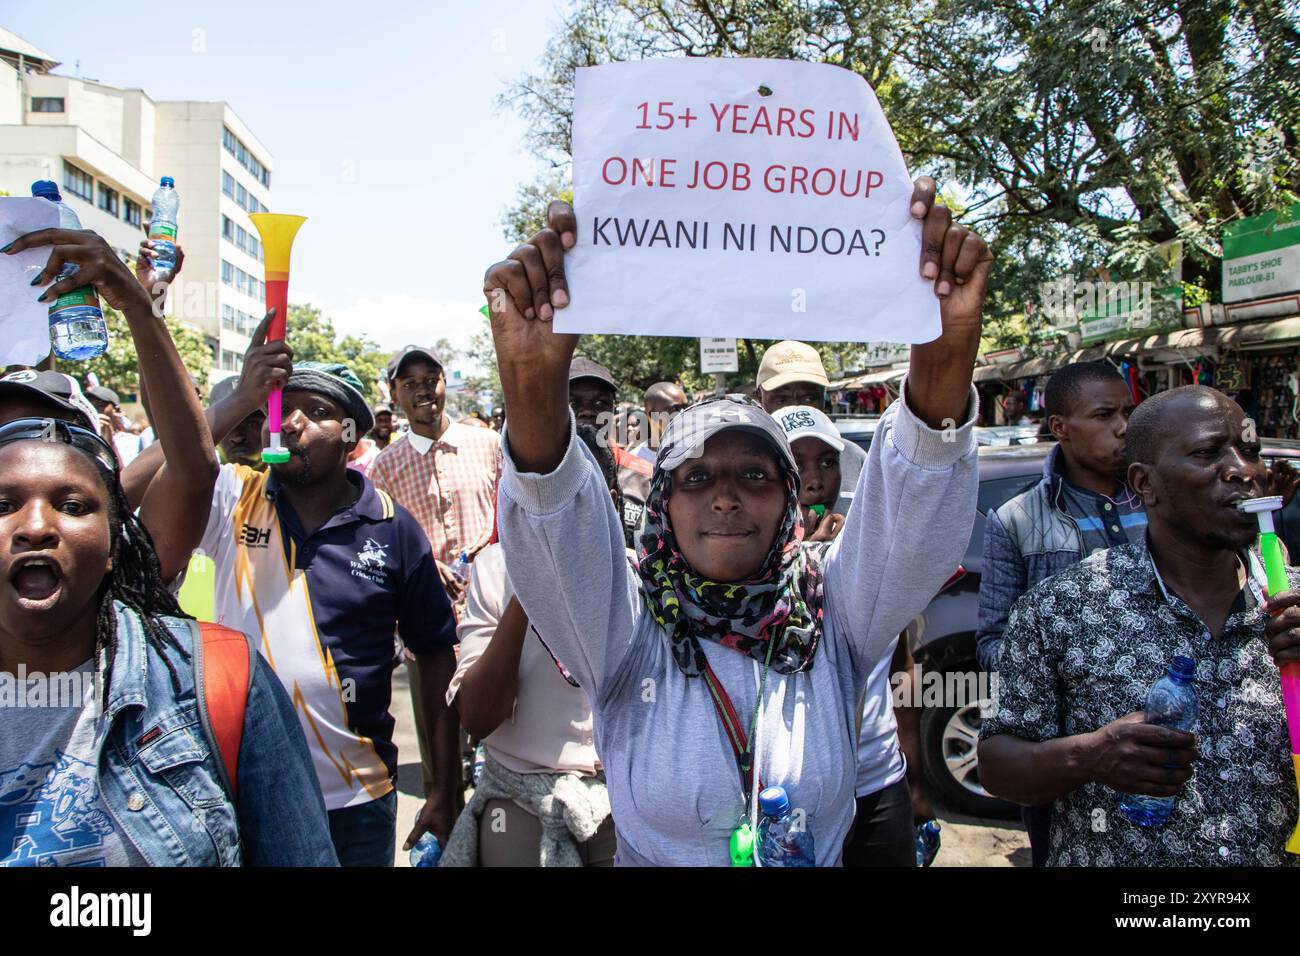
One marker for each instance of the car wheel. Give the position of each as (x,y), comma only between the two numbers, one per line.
(949,736)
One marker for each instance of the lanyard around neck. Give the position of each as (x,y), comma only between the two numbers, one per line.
(741,743)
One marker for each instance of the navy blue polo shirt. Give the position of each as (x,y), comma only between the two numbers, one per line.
(327,606)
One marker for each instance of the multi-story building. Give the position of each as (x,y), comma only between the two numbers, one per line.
(107,148)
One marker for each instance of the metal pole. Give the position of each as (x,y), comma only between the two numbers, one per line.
(720,383)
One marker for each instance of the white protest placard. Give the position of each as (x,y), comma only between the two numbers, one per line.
(24,322)
(719,355)
(756,198)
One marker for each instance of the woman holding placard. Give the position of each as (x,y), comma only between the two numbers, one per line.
(729,659)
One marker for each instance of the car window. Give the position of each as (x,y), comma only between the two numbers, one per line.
(996,492)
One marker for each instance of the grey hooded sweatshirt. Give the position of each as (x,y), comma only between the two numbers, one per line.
(673,781)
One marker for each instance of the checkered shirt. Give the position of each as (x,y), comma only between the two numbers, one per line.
(451,488)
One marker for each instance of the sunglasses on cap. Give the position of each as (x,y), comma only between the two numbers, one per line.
(57,430)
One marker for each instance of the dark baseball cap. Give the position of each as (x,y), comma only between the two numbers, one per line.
(395,363)
(223,390)
(54,387)
(583,367)
(103,394)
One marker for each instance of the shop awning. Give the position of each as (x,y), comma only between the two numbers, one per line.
(1243,335)
(881,377)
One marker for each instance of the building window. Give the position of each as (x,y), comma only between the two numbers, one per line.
(227,229)
(228,184)
(78,182)
(246,159)
(131,212)
(241,239)
(227,317)
(254,247)
(108,200)
(47,104)
(241,196)
(227,273)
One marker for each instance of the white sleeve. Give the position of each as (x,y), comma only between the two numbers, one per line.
(225,496)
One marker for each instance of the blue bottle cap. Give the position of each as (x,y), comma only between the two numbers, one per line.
(773,801)
(1183,669)
(167,181)
(45,189)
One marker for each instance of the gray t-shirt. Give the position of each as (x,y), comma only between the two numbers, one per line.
(51,809)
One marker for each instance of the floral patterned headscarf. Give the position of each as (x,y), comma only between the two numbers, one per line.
(782,603)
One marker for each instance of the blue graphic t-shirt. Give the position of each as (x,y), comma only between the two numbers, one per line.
(51,810)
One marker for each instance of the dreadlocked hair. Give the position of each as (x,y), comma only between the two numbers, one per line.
(136,581)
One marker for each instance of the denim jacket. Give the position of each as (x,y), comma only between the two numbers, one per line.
(1026,541)
(159,777)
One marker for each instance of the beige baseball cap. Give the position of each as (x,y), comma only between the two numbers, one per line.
(791,361)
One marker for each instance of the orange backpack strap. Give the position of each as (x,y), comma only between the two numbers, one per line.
(223,671)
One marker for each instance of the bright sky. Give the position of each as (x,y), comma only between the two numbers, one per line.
(381,121)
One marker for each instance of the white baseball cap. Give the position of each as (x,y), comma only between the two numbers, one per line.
(804,421)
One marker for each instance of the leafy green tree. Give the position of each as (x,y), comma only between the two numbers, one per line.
(118,368)
(1084,132)
(313,338)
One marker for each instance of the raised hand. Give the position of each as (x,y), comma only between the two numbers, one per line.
(523,292)
(957,261)
(954,258)
(525,289)
(267,365)
(97,265)
(156,281)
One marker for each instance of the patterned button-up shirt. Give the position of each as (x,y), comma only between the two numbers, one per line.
(449,484)
(1082,649)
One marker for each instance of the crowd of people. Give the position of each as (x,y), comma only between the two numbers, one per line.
(642,627)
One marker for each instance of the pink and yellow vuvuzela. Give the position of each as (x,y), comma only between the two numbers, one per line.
(277,231)
(1275,569)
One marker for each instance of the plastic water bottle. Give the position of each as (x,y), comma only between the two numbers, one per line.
(162,227)
(426,852)
(927,842)
(460,567)
(77,328)
(1171,702)
(781,840)
(480,760)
